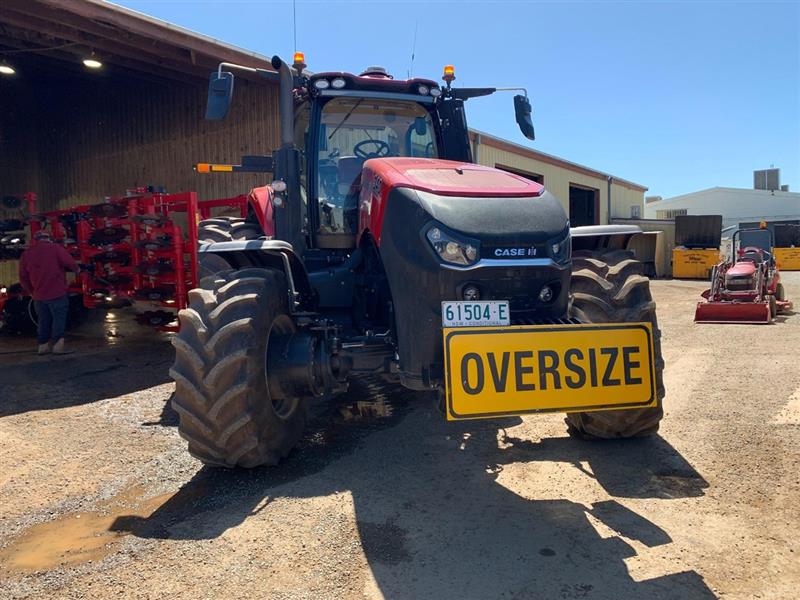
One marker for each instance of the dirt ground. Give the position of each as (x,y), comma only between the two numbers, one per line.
(98,497)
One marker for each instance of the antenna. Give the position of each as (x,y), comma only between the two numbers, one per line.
(413,50)
(294,23)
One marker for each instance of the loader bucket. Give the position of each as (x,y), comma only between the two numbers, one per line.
(732,312)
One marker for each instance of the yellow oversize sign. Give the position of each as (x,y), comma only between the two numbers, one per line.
(505,371)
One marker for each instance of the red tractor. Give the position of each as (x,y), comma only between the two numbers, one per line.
(748,288)
(380,250)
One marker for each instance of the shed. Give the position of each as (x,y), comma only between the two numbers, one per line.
(74,134)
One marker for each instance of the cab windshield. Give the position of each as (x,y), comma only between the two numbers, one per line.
(352,131)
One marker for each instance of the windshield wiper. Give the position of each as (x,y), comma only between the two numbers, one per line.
(347,116)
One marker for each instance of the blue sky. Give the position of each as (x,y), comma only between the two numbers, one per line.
(677,96)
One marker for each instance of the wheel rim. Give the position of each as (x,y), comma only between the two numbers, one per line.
(281,331)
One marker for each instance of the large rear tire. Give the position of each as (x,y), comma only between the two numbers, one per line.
(227,229)
(229,413)
(608,287)
(223,229)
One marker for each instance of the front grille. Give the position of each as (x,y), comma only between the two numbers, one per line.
(737,284)
(522,292)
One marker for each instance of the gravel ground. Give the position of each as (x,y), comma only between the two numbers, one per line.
(98,497)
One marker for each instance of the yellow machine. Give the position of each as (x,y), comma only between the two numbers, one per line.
(694,263)
(787,245)
(788,259)
(697,240)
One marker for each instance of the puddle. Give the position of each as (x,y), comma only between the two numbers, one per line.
(366,410)
(77,538)
(372,400)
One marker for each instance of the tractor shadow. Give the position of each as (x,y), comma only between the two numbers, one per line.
(646,467)
(433,520)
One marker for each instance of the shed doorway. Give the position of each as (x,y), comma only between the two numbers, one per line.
(584,206)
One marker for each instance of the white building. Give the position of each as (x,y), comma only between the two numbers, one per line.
(735,205)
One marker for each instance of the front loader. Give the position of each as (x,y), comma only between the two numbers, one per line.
(747,287)
(380,250)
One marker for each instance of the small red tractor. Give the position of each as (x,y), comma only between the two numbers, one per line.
(381,251)
(747,288)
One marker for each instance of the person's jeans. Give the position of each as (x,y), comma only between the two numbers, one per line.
(52,318)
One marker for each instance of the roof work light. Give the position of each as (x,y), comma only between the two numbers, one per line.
(91,62)
(449,74)
(299,62)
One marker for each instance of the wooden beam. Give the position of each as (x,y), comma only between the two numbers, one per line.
(150,28)
(62,22)
(89,43)
(57,61)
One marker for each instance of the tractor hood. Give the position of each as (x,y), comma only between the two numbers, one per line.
(519,233)
(741,269)
(499,208)
(451,178)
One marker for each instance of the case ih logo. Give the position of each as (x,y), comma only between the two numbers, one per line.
(514,252)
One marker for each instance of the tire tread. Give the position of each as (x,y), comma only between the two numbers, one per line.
(221,395)
(608,287)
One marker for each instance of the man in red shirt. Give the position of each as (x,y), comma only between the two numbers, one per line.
(42,271)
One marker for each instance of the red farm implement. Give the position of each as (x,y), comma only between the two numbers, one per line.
(137,250)
(747,289)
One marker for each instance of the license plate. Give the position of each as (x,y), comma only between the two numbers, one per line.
(506,371)
(492,313)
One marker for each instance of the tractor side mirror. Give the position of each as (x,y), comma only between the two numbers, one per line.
(220,93)
(522,111)
(420,126)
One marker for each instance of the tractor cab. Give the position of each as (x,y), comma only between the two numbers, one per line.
(331,124)
(343,120)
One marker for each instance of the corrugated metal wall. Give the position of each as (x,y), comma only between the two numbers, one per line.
(558,179)
(77,141)
(622,199)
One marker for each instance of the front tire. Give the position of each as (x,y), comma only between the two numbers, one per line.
(608,287)
(229,413)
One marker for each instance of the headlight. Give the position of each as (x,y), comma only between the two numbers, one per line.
(322,84)
(436,92)
(561,251)
(338,83)
(451,249)
(424,90)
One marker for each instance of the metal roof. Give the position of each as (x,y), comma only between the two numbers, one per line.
(117,35)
